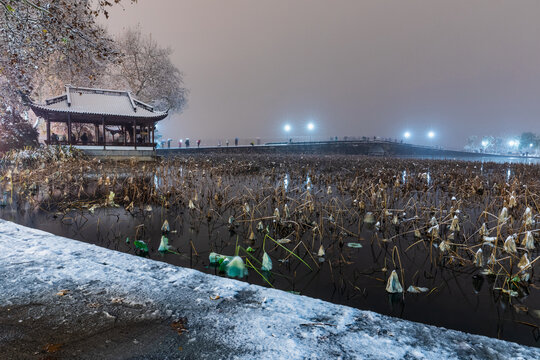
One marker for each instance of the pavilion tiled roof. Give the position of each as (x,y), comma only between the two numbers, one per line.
(86,101)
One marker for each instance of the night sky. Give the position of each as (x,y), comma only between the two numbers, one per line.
(357,68)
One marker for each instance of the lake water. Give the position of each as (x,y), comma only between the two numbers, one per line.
(459,295)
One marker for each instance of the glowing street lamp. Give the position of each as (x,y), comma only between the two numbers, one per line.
(310,127)
(431,134)
(485,143)
(407,135)
(513,143)
(287,128)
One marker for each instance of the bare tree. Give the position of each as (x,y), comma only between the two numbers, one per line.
(32,31)
(147,70)
(15,131)
(86,71)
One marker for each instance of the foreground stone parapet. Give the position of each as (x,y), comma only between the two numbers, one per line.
(62,298)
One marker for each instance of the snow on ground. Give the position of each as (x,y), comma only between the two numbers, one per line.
(117,304)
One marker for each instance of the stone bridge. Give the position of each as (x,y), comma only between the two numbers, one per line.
(373,148)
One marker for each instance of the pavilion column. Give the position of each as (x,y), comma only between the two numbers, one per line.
(104,136)
(125,134)
(153,126)
(69,129)
(96,133)
(48,132)
(135,133)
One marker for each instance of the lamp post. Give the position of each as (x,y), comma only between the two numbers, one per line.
(431,135)
(407,135)
(513,144)
(310,127)
(287,129)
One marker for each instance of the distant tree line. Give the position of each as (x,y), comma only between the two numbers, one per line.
(45,45)
(527,142)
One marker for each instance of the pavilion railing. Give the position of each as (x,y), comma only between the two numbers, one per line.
(100,143)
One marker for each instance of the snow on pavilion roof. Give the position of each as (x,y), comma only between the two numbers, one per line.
(84,101)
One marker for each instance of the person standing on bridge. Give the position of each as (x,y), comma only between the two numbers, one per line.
(199,143)
(235,141)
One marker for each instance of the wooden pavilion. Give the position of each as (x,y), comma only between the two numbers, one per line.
(98,118)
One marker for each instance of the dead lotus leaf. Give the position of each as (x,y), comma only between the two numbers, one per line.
(180,325)
(535,313)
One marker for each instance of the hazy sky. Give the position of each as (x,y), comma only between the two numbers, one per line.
(355,67)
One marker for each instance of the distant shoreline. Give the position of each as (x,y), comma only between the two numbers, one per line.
(370,148)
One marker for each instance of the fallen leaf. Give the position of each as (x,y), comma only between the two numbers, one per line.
(52,348)
(179,325)
(214,297)
(62,292)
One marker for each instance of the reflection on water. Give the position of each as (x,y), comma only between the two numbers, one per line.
(481,159)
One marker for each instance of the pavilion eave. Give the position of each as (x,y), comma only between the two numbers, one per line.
(93,118)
